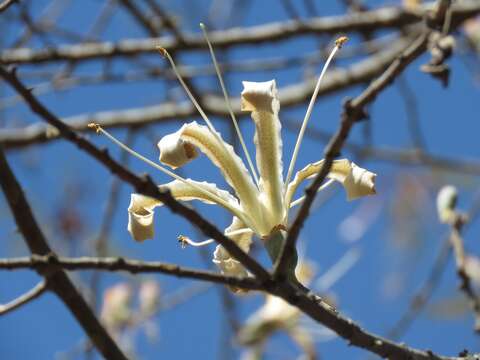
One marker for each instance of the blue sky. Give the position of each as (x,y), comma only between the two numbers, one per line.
(397,249)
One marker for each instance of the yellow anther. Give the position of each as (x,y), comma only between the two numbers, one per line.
(340,41)
(95,126)
(183,240)
(162,51)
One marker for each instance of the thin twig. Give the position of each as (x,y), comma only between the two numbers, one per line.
(456,241)
(393,17)
(30,295)
(401,156)
(4,5)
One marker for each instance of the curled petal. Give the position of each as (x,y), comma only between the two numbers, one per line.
(221,154)
(261,99)
(140,217)
(357,181)
(175,152)
(140,211)
(227,264)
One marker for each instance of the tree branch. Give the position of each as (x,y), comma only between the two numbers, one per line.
(30,295)
(58,281)
(374,20)
(4,5)
(49,263)
(312,305)
(401,156)
(456,242)
(290,96)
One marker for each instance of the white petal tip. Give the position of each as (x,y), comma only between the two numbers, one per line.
(259,96)
(174,151)
(141,226)
(140,217)
(362,184)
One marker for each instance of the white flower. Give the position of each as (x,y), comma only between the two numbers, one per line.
(259,203)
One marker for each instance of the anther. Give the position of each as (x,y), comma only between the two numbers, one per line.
(341,41)
(95,127)
(162,50)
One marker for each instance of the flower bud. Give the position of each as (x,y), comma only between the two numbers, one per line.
(446,203)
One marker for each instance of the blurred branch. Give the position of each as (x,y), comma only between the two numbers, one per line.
(290,96)
(409,157)
(58,281)
(423,295)
(4,5)
(167,20)
(411,111)
(32,294)
(137,14)
(365,21)
(49,263)
(456,242)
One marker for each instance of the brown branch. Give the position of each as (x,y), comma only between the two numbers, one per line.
(51,263)
(290,96)
(30,295)
(312,305)
(143,185)
(308,303)
(4,5)
(353,112)
(138,15)
(456,242)
(167,20)
(393,17)
(58,281)
(423,294)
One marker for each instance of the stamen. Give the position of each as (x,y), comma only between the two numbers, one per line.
(338,44)
(227,101)
(214,196)
(184,241)
(165,54)
(323,187)
(204,116)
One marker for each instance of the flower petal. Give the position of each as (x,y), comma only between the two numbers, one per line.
(175,152)
(222,155)
(357,181)
(140,217)
(260,98)
(140,211)
(227,264)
